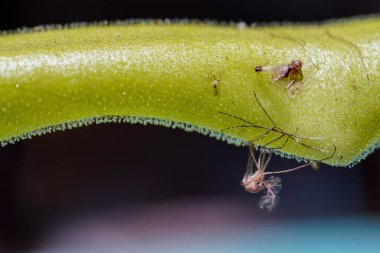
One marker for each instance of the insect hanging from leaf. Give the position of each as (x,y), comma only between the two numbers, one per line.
(290,72)
(255,181)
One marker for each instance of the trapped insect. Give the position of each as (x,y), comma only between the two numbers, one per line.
(291,72)
(255,181)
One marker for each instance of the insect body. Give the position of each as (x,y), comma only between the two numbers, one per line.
(215,84)
(255,181)
(291,72)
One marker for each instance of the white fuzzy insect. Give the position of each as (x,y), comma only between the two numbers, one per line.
(255,181)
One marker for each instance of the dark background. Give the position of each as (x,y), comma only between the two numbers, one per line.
(20,13)
(87,171)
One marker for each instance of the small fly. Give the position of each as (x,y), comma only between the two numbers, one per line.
(255,182)
(291,72)
(215,84)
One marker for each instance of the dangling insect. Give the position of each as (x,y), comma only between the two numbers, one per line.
(291,72)
(255,182)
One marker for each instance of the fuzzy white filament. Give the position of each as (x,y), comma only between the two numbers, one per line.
(270,200)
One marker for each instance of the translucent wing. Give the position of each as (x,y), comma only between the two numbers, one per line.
(280,72)
(270,200)
(294,88)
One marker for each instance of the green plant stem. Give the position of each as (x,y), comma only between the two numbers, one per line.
(50,80)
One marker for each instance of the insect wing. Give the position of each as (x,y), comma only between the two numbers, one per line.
(294,88)
(270,200)
(274,183)
(280,72)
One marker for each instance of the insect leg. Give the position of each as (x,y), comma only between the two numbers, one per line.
(241,119)
(287,170)
(262,108)
(306,145)
(311,163)
(272,141)
(267,161)
(276,129)
(233,127)
(283,145)
(331,156)
(249,171)
(261,136)
(251,156)
(291,82)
